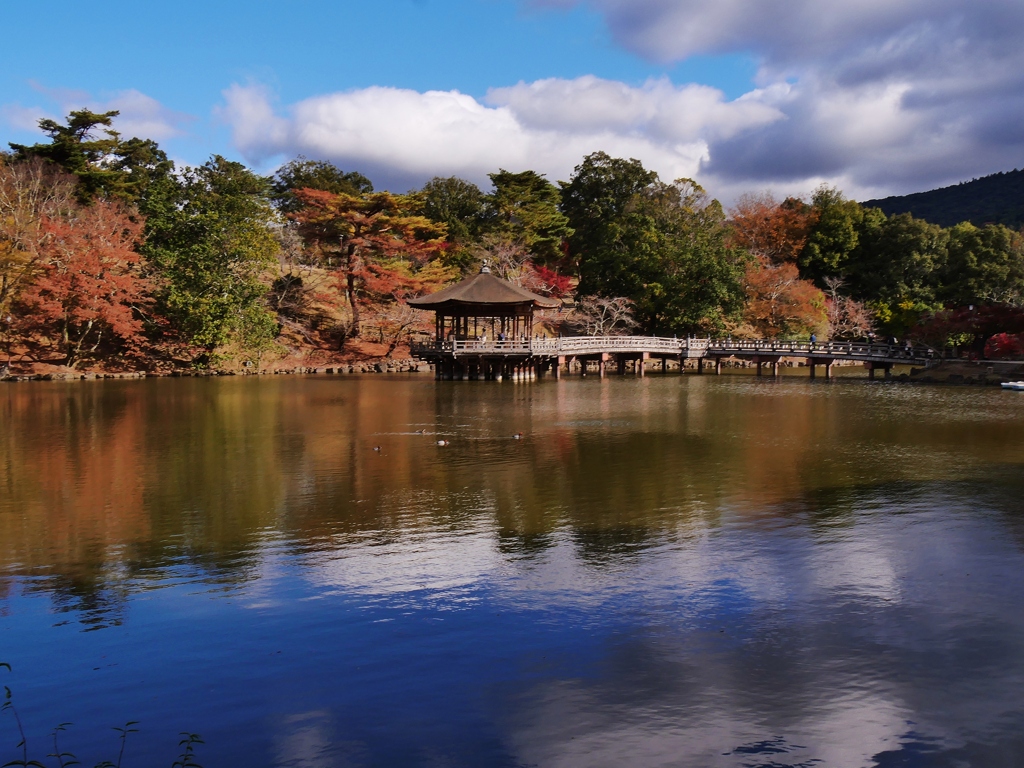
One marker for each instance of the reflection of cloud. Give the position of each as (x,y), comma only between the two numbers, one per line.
(743,642)
(427,559)
(856,569)
(306,740)
(571,725)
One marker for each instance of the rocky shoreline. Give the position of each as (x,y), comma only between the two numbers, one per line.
(952,372)
(380,366)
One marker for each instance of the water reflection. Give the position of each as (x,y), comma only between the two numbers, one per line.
(672,571)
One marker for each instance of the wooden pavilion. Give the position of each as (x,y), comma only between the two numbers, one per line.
(483,306)
(483,329)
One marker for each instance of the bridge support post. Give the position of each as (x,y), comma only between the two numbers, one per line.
(601,362)
(718,366)
(664,365)
(810,364)
(556,364)
(640,364)
(775,368)
(758,362)
(700,366)
(620,365)
(828,369)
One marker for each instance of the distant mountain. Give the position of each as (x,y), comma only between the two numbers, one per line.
(995,199)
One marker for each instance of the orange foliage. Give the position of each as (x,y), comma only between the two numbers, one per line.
(779,302)
(377,243)
(770,230)
(91,288)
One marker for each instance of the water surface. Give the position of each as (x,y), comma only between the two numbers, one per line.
(676,571)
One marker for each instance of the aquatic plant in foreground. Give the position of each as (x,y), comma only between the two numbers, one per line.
(64,759)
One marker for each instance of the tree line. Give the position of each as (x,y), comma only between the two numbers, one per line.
(108,251)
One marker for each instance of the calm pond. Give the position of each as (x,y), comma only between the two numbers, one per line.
(675,571)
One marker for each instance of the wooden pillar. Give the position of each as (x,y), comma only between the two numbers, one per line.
(639,371)
(871,371)
(758,361)
(828,369)
(888,372)
(775,368)
(718,366)
(557,363)
(700,365)
(664,365)
(810,364)
(620,364)
(601,363)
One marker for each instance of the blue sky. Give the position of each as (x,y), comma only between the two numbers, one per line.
(747,95)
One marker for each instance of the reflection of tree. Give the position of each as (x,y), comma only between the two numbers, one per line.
(109,487)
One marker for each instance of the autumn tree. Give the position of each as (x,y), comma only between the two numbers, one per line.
(780,303)
(847,318)
(32,193)
(600,316)
(377,243)
(769,230)
(302,173)
(91,288)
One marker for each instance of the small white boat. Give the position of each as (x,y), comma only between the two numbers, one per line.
(1017,385)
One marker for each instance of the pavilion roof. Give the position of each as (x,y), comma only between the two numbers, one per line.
(483,289)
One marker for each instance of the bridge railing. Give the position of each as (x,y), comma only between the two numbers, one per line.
(691,347)
(852,349)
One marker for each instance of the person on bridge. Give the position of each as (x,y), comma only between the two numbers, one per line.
(813,338)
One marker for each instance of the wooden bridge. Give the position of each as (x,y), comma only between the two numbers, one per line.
(475,359)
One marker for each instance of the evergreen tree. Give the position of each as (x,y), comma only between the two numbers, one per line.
(211,245)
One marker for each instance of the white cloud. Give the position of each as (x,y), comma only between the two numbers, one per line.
(141,116)
(401,138)
(22,118)
(880,96)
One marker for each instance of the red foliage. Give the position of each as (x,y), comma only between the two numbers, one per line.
(90,288)
(978,322)
(550,282)
(1005,345)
